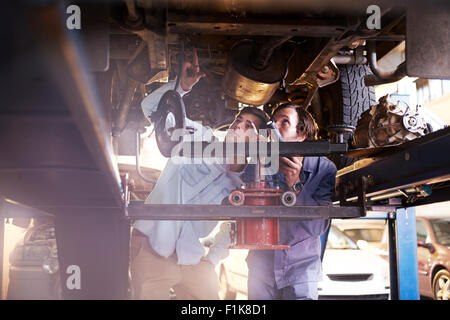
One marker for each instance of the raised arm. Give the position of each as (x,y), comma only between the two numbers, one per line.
(190,75)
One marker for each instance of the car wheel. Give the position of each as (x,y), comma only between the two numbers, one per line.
(225,292)
(347,99)
(356,96)
(441,285)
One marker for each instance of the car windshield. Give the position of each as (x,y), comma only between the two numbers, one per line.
(441,229)
(369,235)
(338,240)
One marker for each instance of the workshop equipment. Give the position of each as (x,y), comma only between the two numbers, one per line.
(258,233)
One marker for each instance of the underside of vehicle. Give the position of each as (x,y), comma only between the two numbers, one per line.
(71,103)
(253,53)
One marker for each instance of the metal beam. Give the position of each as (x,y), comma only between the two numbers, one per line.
(68,63)
(407,267)
(422,161)
(12,209)
(282,149)
(47,163)
(141,211)
(393,275)
(252,29)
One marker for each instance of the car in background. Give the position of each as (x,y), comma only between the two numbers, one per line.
(368,230)
(33,271)
(369,234)
(433,255)
(352,273)
(348,272)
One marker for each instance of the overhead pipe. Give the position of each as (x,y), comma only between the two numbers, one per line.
(120,120)
(349,59)
(381,76)
(373,80)
(139,131)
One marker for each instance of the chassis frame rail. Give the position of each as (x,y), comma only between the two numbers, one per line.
(139,210)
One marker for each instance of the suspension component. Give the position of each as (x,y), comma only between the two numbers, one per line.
(393,122)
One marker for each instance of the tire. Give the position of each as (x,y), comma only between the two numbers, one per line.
(346,100)
(441,285)
(356,96)
(225,292)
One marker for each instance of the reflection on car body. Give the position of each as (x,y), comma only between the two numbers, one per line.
(433,255)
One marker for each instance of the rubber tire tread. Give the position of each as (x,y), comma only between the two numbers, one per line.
(356,96)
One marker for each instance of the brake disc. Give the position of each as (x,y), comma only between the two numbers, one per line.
(170,109)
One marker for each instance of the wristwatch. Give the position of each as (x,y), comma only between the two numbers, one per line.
(297,187)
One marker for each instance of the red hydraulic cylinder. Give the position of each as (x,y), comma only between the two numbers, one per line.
(259,233)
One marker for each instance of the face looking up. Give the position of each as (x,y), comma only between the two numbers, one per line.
(286,121)
(244,126)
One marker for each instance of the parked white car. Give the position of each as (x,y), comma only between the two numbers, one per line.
(348,272)
(352,273)
(368,234)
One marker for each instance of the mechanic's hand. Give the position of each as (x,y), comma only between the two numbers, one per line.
(190,73)
(291,168)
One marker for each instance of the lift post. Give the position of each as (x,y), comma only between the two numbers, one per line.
(403,263)
(404,258)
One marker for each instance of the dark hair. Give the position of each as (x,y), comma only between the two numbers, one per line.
(306,123)
(262,115)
